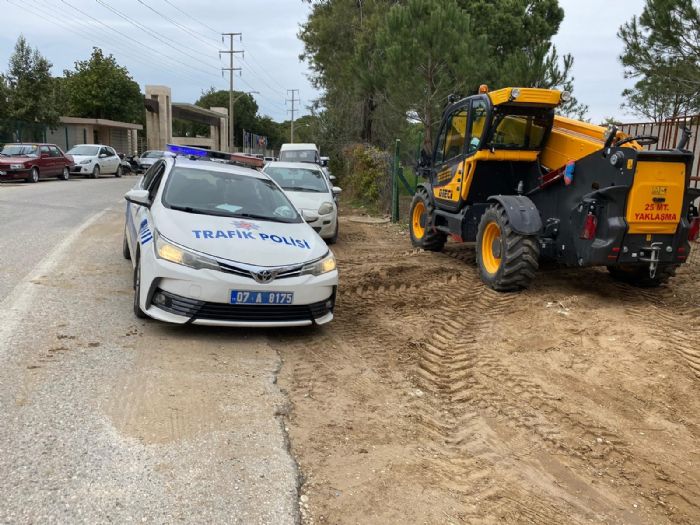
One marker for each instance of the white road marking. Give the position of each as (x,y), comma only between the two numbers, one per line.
(18,302)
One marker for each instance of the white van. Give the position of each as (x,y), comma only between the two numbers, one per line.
(300,153)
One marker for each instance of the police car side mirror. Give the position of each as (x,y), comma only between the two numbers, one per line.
(337,190)
(309,216)
(138,197)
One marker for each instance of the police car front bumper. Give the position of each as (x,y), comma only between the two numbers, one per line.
(181,295)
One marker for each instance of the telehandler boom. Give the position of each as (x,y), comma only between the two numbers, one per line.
(525,185)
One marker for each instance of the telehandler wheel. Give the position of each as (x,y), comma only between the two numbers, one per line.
(639,275)
(422,236)
(507,260)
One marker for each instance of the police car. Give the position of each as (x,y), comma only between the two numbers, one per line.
(215,244)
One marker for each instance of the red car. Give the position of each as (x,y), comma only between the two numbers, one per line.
(34,161)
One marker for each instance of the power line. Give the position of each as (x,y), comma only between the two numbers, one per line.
(292,100)
(159,53)
(264,70)
(176,24)
(192,18)
(158,36)
(139,58)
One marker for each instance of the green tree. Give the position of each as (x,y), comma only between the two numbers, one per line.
(245,111)
(4,95)
(662,52)
(101,88)
(29,91)
(519,35)
(430,51)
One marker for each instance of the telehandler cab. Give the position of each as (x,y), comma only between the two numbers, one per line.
(525,185)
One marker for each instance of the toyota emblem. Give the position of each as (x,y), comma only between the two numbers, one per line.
(264,276)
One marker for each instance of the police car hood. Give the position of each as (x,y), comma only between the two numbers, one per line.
(306,200)
(261,243)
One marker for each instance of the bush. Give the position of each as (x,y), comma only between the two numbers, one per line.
(367,175)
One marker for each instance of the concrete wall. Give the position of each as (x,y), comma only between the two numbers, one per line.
(159,126)
(68,135)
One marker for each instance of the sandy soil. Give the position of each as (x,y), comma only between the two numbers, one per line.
(431,399)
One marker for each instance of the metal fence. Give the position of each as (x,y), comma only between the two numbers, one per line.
(669,133)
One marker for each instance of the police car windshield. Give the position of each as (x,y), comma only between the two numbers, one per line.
(298,179)
(227,194)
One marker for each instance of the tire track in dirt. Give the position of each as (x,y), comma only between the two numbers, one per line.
(643,305)
(413,386)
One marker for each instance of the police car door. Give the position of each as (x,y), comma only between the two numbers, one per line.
(138,218)
(448,159)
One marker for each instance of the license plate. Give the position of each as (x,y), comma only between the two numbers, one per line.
(247,297)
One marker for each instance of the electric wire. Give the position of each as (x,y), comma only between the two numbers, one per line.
(176,24)
(193,18)
(143,46)
(158,36)
(59,17)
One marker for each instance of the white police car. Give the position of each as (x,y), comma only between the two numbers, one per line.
(216,244)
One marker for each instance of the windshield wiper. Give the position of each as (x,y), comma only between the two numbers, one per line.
(259,217)
(301,188)
(198,211)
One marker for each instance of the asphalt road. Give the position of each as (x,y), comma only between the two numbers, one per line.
(105,418)
(36,217)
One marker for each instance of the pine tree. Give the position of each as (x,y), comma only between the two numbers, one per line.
(662,51)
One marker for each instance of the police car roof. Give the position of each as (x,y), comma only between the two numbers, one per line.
(207,165)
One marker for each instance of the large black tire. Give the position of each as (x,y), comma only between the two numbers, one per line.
(137,290)
(421,216)
(638,275)
(507,260)
(334,239)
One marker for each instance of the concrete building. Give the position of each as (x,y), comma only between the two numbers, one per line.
(160,112)
(122,136)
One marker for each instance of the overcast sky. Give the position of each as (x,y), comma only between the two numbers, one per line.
(186,58)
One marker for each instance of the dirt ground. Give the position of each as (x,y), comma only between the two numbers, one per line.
(431,399)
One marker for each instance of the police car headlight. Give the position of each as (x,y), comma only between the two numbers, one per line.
(178,255)
(325,208)
(86,161)
(325,265)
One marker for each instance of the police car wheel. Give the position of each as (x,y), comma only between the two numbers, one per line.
(118,173)
(137,291)
(95,172)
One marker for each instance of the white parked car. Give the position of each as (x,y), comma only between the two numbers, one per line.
(217,244)
(309,189)
(92,160)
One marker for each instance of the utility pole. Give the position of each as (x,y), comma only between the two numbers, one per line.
(230,52)
(293,101)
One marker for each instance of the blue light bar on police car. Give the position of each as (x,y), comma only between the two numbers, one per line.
(187,150)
